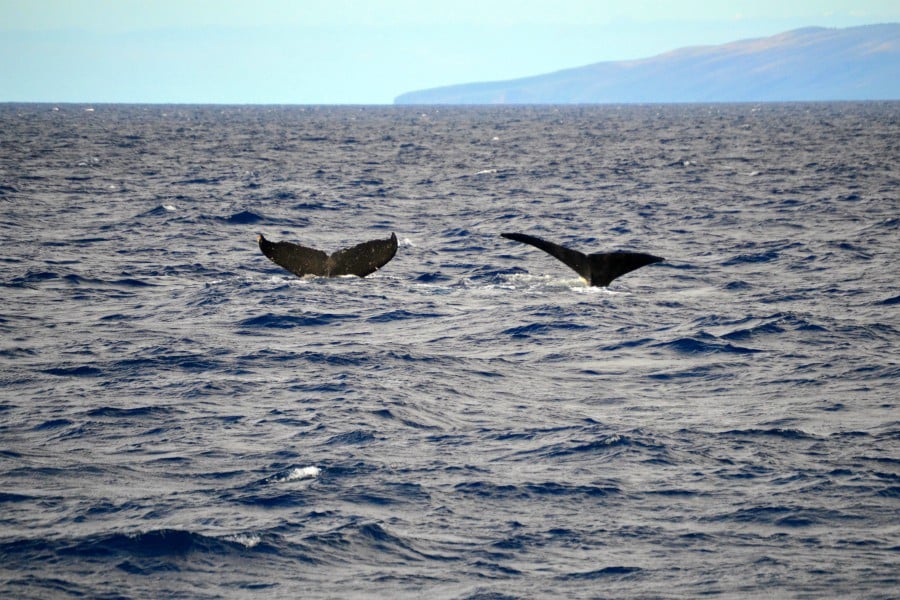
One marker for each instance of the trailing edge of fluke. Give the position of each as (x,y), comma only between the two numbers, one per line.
(360,260)
(598,269)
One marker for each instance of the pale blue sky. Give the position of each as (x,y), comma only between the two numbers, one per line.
(356,52)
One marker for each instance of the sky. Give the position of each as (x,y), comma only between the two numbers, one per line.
(356,51)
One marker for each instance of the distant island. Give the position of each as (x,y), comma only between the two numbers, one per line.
(811,64)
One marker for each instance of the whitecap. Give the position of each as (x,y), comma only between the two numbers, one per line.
(278,279)
(244,539)
(297,474)
(593,290)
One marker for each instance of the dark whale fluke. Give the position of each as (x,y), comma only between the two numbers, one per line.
(597,269)
(360,260)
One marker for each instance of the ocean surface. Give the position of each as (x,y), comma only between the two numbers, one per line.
(181,418)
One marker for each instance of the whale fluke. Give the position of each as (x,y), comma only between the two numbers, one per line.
(360,260)
(597,269)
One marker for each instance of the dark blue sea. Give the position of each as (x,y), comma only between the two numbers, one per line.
(182,418)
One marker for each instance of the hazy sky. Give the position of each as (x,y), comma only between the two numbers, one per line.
(356,52)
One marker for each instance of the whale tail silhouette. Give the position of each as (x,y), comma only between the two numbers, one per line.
(598,269)
(360,260)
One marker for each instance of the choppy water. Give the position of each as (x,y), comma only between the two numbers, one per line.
(181,418)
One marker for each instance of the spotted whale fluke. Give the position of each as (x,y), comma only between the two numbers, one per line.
(597,269)
(360,260)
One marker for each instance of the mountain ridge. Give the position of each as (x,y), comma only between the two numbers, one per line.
(807,64)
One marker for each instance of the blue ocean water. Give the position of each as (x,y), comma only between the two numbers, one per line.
(179,417)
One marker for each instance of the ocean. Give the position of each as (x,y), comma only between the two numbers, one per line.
(182,418)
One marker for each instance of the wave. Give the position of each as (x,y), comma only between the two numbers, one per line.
(34,278)
(690,345)
(273,321)
(163,210)
(351,438)
(782,516)
(617,572)
(537,329)
(79,371)
(10,498)
(129,413)
(772,325)
(160,545)
(368,542)
(490,491)
(244,217)
(403,315)
(786,434)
